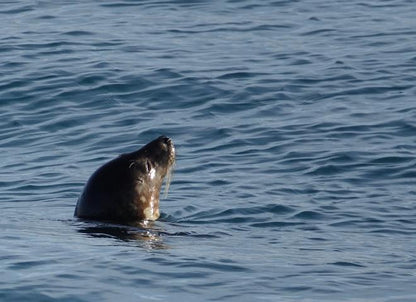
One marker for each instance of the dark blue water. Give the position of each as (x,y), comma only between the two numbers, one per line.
(295,129)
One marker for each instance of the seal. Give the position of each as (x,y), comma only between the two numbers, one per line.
(126,189)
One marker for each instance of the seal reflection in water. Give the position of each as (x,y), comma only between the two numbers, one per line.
(126,189)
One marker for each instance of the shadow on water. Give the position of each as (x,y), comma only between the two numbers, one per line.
(149,235)
(145,233)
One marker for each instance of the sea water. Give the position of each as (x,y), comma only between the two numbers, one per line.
(295,129)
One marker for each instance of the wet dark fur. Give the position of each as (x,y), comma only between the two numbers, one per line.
(127,188)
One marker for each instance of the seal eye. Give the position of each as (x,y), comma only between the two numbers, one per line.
(148,166)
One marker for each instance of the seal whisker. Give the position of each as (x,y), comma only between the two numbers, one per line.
(168,181)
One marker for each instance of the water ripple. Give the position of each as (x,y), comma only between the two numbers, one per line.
(294,127)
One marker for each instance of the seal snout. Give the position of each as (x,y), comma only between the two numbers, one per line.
(164,140)
(166,145)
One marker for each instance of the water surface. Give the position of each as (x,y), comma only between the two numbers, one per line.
(294,123)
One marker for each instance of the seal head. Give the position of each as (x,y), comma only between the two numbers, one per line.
(127,188)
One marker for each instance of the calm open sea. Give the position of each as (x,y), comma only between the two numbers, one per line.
(295,128)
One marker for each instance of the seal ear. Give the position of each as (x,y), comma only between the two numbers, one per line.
(136,166)
(139,180)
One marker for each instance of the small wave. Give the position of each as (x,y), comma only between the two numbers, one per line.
(78,33)
(17,10)
(237,215)
(347,264)
(276,224)
(309,215)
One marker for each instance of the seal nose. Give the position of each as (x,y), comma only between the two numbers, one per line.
(165,139)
